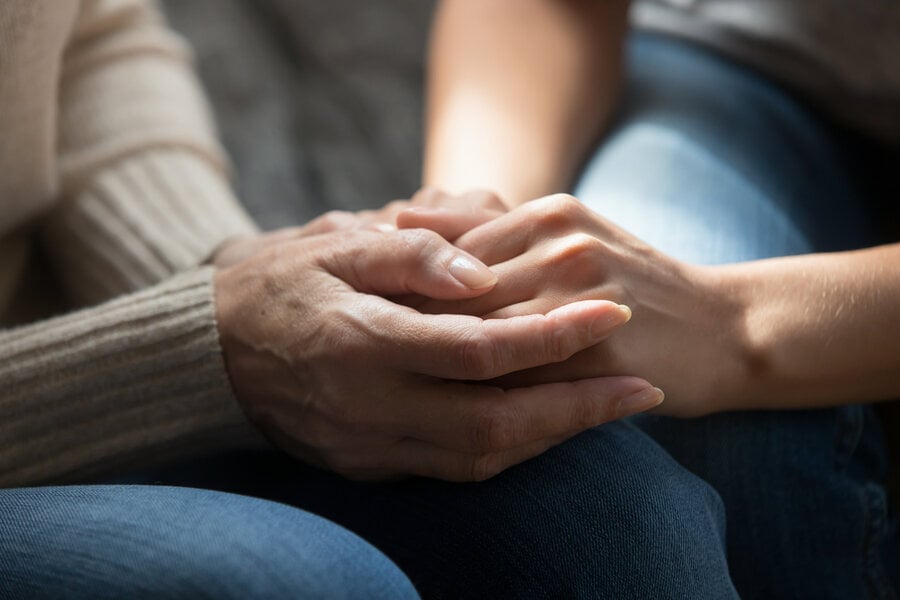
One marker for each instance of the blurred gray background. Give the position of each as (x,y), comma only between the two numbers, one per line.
(318,101)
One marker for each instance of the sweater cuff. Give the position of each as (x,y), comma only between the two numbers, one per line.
(121,384)
(141,220)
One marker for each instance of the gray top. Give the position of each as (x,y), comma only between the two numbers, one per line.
(845,56)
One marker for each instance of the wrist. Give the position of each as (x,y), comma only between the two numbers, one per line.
(751,320)
(742,364)
(230,295)
(230,251)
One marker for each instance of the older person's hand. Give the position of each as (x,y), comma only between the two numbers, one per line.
(458,213)
(342,378)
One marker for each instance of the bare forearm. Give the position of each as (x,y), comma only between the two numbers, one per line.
(822,329)
(518,90)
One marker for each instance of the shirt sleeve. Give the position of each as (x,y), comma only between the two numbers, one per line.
(139,375)
(143,180)
(129,382)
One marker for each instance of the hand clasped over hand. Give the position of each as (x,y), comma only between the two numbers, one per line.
(553,251)
(341,377)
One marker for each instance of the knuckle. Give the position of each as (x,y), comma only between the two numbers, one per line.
(560,343)
(421,241)
(580,246)
(559,210)
(579,254)
(483,466)
(583,414)
(493,431)
(566,204)
(586,412)
(335,218)
(479,356)
(485,199)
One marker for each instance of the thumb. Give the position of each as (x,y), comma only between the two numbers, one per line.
(414,261)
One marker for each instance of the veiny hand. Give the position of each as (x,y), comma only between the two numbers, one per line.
(686,335)
(236,249)
(343,378)
(458,213)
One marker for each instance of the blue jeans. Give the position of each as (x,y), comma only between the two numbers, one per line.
(711,163)
(131,541)
(608,514)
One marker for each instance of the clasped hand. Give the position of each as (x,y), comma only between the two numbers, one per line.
(339,376)
(687,334)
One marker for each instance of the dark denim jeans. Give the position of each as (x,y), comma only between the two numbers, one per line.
(712,163)
(608,514)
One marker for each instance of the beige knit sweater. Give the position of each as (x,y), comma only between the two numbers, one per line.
(108,165)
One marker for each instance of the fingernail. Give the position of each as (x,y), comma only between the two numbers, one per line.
(601,326)
(645,399)
(385,227)
(471,274)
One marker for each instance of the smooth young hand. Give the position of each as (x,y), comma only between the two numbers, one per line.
(686,334)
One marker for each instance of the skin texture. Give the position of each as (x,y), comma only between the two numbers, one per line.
(340,377)
(554,250)
(794,332)
(497,65)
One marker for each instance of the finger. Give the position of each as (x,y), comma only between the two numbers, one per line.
(513,233)
(555,271)
(597,361)
(449,223)
(481,198)
(408,261)
(483,418)
(469,348)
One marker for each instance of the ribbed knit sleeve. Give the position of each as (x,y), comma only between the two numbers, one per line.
(126,382)
(143,180)
(150,215)
(144,201)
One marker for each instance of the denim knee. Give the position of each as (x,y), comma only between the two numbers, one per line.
(607,514)
(622,517)
(144,541)
(808,511)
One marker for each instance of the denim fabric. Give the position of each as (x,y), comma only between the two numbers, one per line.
(606,515)
(156,542)
(712,163)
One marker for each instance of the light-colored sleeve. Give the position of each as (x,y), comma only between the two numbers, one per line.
(145,200)
(130,382)
(143,179)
